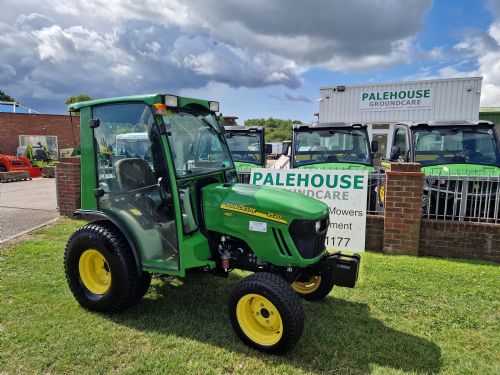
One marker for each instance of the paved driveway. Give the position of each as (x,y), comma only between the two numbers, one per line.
(25,205)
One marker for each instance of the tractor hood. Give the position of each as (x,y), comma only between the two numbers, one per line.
(339,166)
(259,203)
(462,170)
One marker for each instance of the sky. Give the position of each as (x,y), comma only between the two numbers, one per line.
(259,58)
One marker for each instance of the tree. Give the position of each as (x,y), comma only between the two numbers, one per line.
(277,130)
(6,98)
(78,98)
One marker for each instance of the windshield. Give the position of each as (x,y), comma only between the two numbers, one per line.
(456,145)
(196,143)
(133,145)
(331,146)
(245,147)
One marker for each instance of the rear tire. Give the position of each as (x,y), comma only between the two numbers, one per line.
(317,287)
(101,270)
(266,314)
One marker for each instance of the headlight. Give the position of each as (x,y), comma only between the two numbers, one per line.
(213,106)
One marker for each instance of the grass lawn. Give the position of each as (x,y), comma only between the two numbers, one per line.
(406,315)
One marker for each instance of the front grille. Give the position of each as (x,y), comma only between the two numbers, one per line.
(308,242)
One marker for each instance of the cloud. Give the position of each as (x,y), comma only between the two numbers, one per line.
(115,47)
(290,97)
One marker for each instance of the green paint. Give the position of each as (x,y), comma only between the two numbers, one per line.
(339,166)
(462,170)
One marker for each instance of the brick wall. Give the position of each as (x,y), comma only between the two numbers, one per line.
(12,125)
(402,208)
(454,239)
(374,233)
(68,185)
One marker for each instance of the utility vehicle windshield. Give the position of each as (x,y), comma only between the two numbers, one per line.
(456,145)
(245,147)
(196,143)
(331,146)
(133,145)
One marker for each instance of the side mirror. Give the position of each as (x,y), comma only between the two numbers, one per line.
(269,148)
(94,123)
(374,146)
(395,151)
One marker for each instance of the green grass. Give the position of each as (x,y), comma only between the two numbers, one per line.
(406,315)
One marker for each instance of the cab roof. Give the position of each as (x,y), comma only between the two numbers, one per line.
(147,98)
(239,128)
(446,123)
(327,125)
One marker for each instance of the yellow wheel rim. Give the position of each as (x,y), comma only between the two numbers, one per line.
(94,271)
(381,194)
(307,287)
(259,319)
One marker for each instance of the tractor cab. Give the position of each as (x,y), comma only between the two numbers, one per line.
(247,147)
(332,146)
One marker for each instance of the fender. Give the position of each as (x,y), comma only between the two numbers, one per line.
(96,216)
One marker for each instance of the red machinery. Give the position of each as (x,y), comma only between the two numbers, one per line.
(10,163)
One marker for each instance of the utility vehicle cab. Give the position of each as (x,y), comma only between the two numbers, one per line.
(447,147)
(247,147)
(332,146)
(158,179)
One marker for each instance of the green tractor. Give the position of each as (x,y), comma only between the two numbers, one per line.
(247,148)
(174,206)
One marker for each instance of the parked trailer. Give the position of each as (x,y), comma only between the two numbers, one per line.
(427,100)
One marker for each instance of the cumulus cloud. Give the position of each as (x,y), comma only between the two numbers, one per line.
(114,47)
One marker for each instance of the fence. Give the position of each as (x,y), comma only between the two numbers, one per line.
(462,198)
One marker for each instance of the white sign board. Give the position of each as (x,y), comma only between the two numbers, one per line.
(396,99)
(345,193)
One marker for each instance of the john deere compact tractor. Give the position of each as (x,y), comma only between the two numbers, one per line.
(173,205)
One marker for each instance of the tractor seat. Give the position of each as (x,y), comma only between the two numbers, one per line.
(134,173)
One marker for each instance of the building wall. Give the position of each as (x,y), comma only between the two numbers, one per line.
(12,125)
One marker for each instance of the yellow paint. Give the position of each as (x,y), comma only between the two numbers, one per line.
(259,319)
(252,211)
(307,287)
(94,271)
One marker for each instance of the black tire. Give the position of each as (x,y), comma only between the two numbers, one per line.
(288,305)
(144,283)
(124,287)
(323,285)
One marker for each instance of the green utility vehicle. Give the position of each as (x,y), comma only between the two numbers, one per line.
(332,146)
(174,206)
(449,148)
(247,147)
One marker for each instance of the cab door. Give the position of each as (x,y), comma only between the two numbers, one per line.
(132,180)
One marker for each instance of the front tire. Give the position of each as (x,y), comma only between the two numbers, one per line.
(266,314)
(100,269)
(317,286)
